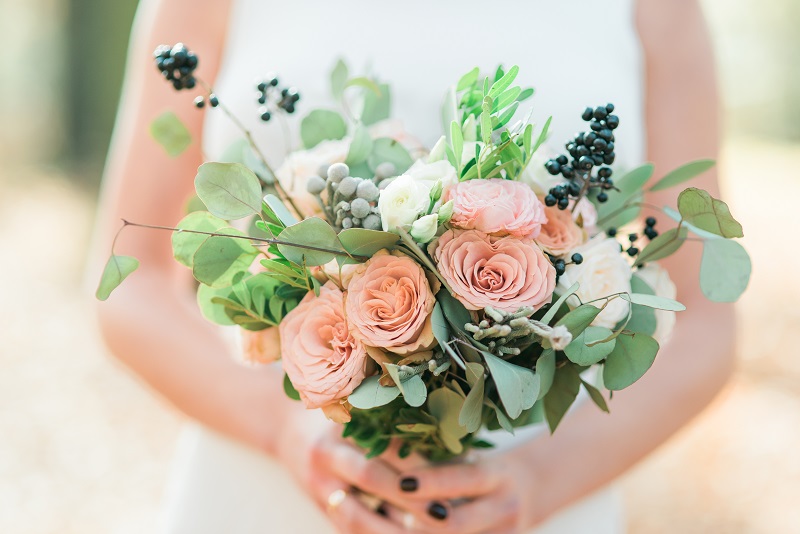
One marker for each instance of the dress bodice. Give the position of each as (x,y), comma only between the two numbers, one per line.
(575,53)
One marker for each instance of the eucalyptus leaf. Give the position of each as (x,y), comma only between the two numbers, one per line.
(170,132)
(724,271)
(578,319)
(363,242)
(220,259)
(230,190)
(387,150)
(445,405)
(454,311)
(663,245)
(413,389)
(370,394)
(565,388)
(321,125)
(553,309)
(280,210)
(289,388)
(654,301)
(676,216)
(683,174)
(518,387)
(585,349)
(377,107)
(360,147)
(339,77)
(184,244)
(700,209)
(643,319)
(629,361)
(117,269)
(312,232)
(546,370)
(211,310)
(471,413)
(596,396)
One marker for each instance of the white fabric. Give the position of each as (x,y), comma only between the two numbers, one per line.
(574,52)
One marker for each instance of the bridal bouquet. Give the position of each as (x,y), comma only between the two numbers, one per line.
(423,295)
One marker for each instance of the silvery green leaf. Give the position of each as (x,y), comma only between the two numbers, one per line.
(518,387)
(385,150)
(565,388)
(643,319)
(219,260)
(663,245)
(471,413)
(185,244)
(578,319)
(700,209)
(169,132)
(725,270)
(311,232)
(683,174)
(339,77)
(321,125)
(596,396)
(117,269)
(360,147)
(370,394)
(553,309)
(230,190)
(654,301)
(445,405)
(585,349)
(629,361)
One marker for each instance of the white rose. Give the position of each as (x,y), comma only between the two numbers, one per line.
(659,281)
(430,173)
(299,166)
(603,272)
(424,229)
(536,176)
(402,202)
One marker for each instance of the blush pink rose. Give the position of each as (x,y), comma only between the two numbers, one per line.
(389,304)
(503,272)
(560,234)
(496,206)
(322,358)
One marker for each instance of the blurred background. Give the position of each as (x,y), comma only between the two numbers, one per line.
(84,448)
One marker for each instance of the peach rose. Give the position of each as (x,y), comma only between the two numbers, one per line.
(559,234)
(496,206)
(503,272)
(263,346)
(323,360)
(389,303)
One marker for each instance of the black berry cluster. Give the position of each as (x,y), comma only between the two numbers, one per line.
(177,65)
(560,264)
(212,99)
(586,168)
(650,228)
(269,100)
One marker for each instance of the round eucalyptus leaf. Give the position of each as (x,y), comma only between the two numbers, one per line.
(586,349)
(725,270)
(230,190)
(321,125)
(629,361)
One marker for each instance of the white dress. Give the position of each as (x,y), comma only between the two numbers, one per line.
(575,53)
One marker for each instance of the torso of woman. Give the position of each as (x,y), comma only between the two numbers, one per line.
(575,53)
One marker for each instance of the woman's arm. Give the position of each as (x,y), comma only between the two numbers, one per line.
(151,322)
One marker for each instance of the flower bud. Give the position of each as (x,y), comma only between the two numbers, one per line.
(445,212)
(436,191)
(368,191)
(337,172)
(347,223)
(348,186)
(385,170)
(315,185)
(371,222)
(360,208)
(437,153)
(424,229)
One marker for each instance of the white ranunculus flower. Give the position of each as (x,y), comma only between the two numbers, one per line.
(299,166)
(424,229)
(603,272)
(430,173)
(659,281)
(403,201)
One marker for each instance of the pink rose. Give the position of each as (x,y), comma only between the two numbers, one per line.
(389,303)
(503,272)
(323,360)
(263,346)
(496,206)
(560,234)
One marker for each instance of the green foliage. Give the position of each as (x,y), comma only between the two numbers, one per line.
(663,245)
(413,388)
(517,387)
(683,173)
(276,210)
(289,388)
(219,259)
(377,106)
(169,132)
(553,309)
(370,394)
(725,270)
(700,209)
(578,319)
(117,269)
(614,212)
(445,405)
(588,348)
(339,77)
(629,361)
(595,395)
(385,150)
(363,242)
(230,190)
(546,370)
(312,232)
(566,384)
(185,244)
(212,311)
(361,147)
(321,125)
(643,318)
(471,413)
(654,301)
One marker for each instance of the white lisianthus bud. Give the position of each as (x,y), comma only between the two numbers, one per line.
(437,153)
(424,229)
(445,212)
(402,202)
(470,129)
(436,191)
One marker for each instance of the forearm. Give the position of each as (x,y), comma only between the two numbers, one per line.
(160,335)
(592,448)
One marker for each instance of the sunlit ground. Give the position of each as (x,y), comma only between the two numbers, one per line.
(85,449)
